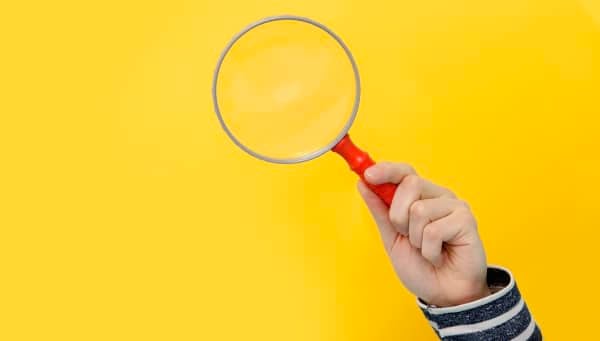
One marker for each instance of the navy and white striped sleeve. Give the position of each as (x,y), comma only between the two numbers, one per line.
(500,316)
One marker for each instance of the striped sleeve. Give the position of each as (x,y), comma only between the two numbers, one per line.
(500,316)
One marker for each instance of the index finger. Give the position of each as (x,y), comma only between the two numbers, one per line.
(385,172)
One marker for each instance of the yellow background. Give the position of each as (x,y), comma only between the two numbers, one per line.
(126,214)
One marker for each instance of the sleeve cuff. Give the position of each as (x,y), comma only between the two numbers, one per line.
(502,315)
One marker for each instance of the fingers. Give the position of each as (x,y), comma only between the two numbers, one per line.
(384,172)
(379,211)
(396,173)
(425,211)
(411,189)
(450,229)
(408,191)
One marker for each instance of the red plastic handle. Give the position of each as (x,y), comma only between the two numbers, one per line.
(359,161)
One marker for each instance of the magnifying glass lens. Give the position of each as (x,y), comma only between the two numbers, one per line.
(286,91)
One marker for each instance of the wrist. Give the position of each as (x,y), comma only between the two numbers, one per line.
(476,292)
(484,291)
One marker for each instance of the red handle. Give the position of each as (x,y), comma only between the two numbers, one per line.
(359,161)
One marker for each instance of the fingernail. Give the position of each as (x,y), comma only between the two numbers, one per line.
(370,173)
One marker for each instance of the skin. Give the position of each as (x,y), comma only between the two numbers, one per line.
(429,235)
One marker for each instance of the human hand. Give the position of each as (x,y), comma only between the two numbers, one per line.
(430,236)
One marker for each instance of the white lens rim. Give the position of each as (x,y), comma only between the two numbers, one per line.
(313,154)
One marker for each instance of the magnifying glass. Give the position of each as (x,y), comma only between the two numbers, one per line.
(286,89)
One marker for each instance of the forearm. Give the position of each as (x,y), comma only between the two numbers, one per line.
(501,316)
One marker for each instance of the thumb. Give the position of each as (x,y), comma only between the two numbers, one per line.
(380,213)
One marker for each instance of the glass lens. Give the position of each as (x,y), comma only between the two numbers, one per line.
(286,90)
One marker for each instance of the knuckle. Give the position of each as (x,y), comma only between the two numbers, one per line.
(400,223)
(450,194)
(431,233)
(408,168)
(418,210)
(397,218)
(412,181)
(464,213)
(447,193)
(384,166)
(397,170)
(463,204)
(466,219)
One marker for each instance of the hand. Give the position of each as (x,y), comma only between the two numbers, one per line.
(430,236)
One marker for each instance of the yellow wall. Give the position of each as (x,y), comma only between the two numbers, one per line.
(126,214)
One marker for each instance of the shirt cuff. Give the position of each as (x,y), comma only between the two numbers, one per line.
(501,316)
